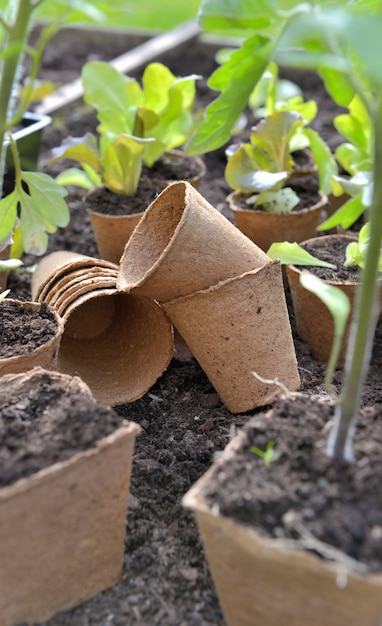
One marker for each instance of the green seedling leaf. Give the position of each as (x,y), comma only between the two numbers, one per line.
(273,135)
(241,14)
(8,217)
(356,250)
(323,158)
(355,126)
(42,210)
(337,85)
(345,216)
(83,149)
(269,455)
(115,96)
(122,163)
(76,177)
(10,264)
(280,201)
(235,79)
(339,306)
(293,254)
(4,294)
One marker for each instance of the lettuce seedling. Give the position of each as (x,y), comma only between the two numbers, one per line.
(355,157)
(356,251)
(265,164)
(137,125)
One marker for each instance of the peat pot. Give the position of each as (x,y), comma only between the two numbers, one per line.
(314,321)
(112,226)
(265,228)
(258,525)
(65,475)
(222,293)
(118,343)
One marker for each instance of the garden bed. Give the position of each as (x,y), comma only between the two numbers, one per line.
(184,424)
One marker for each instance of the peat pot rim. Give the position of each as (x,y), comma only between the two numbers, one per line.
(274,548)
(234,195)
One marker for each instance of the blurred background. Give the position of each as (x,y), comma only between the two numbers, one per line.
(137,14)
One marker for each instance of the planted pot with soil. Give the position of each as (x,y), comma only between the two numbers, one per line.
(315,323)
(291,537)
(30,335)
(65,476)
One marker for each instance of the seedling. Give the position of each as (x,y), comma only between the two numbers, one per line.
(334,298)
(4,294)
(266,165)
(269,455)
(137,125)
(341,42)
(37,201)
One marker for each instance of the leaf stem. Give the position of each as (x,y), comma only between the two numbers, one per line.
(364,320)
(17,32)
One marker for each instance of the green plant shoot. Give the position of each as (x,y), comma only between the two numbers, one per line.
(356,251)
(269,455)
(342,43)
(339,306)
(293,254)
(40,198)
(115,163)
(137,124)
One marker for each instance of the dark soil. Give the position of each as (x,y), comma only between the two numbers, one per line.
(303,491)
(46,423)
(22,329)
(101,200)
(184,424)
(332,250)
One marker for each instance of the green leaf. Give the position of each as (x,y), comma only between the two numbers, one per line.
(355,126)
(10,264)
(339,306)
(156,81)
(76,177)
(241,14)
(42,210)
(346,215)
(122,164)
(351,159)
(293,254)
(82,149)
(114,96)
(4,294)
(235,79)
(273,135)
(363,34)
(338,85)
(8,216)
(250,168)
(323,158)
(281,201)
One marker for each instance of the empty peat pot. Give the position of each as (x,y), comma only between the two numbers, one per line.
(118,343)
(183,244)
(238,327)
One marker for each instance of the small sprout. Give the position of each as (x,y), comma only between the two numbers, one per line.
(4,294)
(269,454)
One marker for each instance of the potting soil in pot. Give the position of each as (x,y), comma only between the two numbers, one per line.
(22,329)
(49,424)
(304,491)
